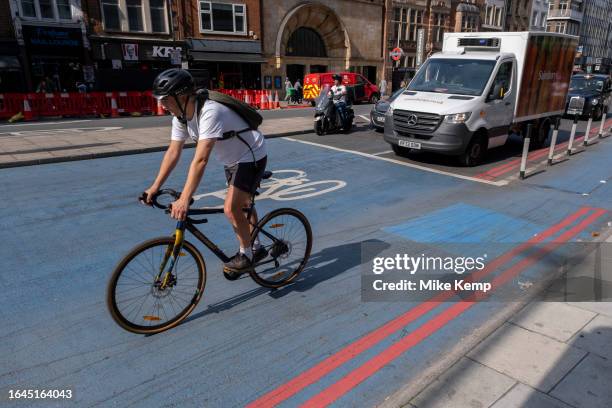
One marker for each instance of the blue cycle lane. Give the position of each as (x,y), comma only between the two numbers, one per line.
(315,342)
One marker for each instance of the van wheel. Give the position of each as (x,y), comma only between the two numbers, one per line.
(400,150)
(475,151)
(598,113)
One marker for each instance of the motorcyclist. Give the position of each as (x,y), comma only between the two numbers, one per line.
(339,95)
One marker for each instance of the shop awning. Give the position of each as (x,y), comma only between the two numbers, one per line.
(226,57)
(9,63)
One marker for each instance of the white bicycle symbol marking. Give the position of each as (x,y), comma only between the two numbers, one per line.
(286,185)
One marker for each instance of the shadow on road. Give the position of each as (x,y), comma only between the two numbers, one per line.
(326,264)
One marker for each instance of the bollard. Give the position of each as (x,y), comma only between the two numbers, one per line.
(553,141)
(571,141)
(585,142)
(602,134)
(525,151)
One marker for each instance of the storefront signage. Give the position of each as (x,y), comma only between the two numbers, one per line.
(130,52)
(53,40)
(163,51)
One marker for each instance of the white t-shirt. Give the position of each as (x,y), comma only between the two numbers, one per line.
(339,90)
(216,119)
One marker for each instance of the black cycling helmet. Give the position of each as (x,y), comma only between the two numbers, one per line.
(337,77)
(174,82)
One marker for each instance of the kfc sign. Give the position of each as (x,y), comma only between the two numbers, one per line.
(164,52)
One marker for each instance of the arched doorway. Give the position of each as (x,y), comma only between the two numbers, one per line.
(305,42)
(326,39)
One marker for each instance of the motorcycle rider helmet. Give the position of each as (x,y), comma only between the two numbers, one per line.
(174,82)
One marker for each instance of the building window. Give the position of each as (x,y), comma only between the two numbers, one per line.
(158,16)
(45,9)
(143,16)
(222,17)
(134,9)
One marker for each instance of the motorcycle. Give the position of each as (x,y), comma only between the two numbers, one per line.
(327,119)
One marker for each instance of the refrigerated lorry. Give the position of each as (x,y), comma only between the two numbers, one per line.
(482,88)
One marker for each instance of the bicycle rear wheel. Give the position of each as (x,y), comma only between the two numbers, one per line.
(286,235)
(139,302)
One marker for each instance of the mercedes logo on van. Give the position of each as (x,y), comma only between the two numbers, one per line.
(413,119)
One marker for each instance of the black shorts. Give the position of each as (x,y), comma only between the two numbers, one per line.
(246,176)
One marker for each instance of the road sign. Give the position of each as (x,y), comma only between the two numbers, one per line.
(396,53)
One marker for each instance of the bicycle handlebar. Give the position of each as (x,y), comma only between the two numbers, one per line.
(167,191)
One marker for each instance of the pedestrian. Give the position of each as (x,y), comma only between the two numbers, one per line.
(288,86)
(298,91)
(383,87)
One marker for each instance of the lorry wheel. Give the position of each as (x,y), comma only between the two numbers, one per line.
(538,140)
(400,150)
(475,151)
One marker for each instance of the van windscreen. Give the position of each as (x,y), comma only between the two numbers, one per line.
(453,76)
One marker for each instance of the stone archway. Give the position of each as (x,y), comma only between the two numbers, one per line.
(324,21)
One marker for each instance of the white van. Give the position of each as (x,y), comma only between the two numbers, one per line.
(481,88)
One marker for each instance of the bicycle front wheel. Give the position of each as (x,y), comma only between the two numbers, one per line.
(144,299)
(286,235)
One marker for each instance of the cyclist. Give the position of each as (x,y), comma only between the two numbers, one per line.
(339,95)
(244,160)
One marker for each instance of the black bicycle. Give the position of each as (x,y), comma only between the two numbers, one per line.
(159,282)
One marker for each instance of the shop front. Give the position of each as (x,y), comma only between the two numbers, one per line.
(225,64)
(11,72)
(132,65)
(56,57)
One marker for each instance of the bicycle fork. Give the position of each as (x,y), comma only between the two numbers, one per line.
(172,254)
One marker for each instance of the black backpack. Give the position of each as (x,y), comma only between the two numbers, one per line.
(245,111)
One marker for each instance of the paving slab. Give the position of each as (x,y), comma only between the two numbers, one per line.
(522,396)
(596,337)
(529,357)
(604,308)
(466,384)
(553,319)
(589,385)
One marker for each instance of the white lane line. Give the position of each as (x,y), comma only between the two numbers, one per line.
(364,117)
(47,123)
(381,153)
(500,183)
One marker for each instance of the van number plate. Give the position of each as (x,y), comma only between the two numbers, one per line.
(409,144)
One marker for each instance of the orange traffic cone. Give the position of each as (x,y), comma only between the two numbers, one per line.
(276,101)
(247,98)
(160,109)
(265,105)
(27,111)
(114,111)
(257,100)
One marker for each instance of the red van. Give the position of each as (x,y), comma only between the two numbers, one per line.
(365,91)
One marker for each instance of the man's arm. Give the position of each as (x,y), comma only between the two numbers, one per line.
(171,158)
(196,171)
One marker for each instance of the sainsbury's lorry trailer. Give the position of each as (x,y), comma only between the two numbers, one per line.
(480,89)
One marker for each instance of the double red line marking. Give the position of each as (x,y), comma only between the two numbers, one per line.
(512,165)
(345,384)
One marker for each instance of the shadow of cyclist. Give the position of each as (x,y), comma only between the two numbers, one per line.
(326,264)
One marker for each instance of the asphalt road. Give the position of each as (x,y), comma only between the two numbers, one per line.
(317,342)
